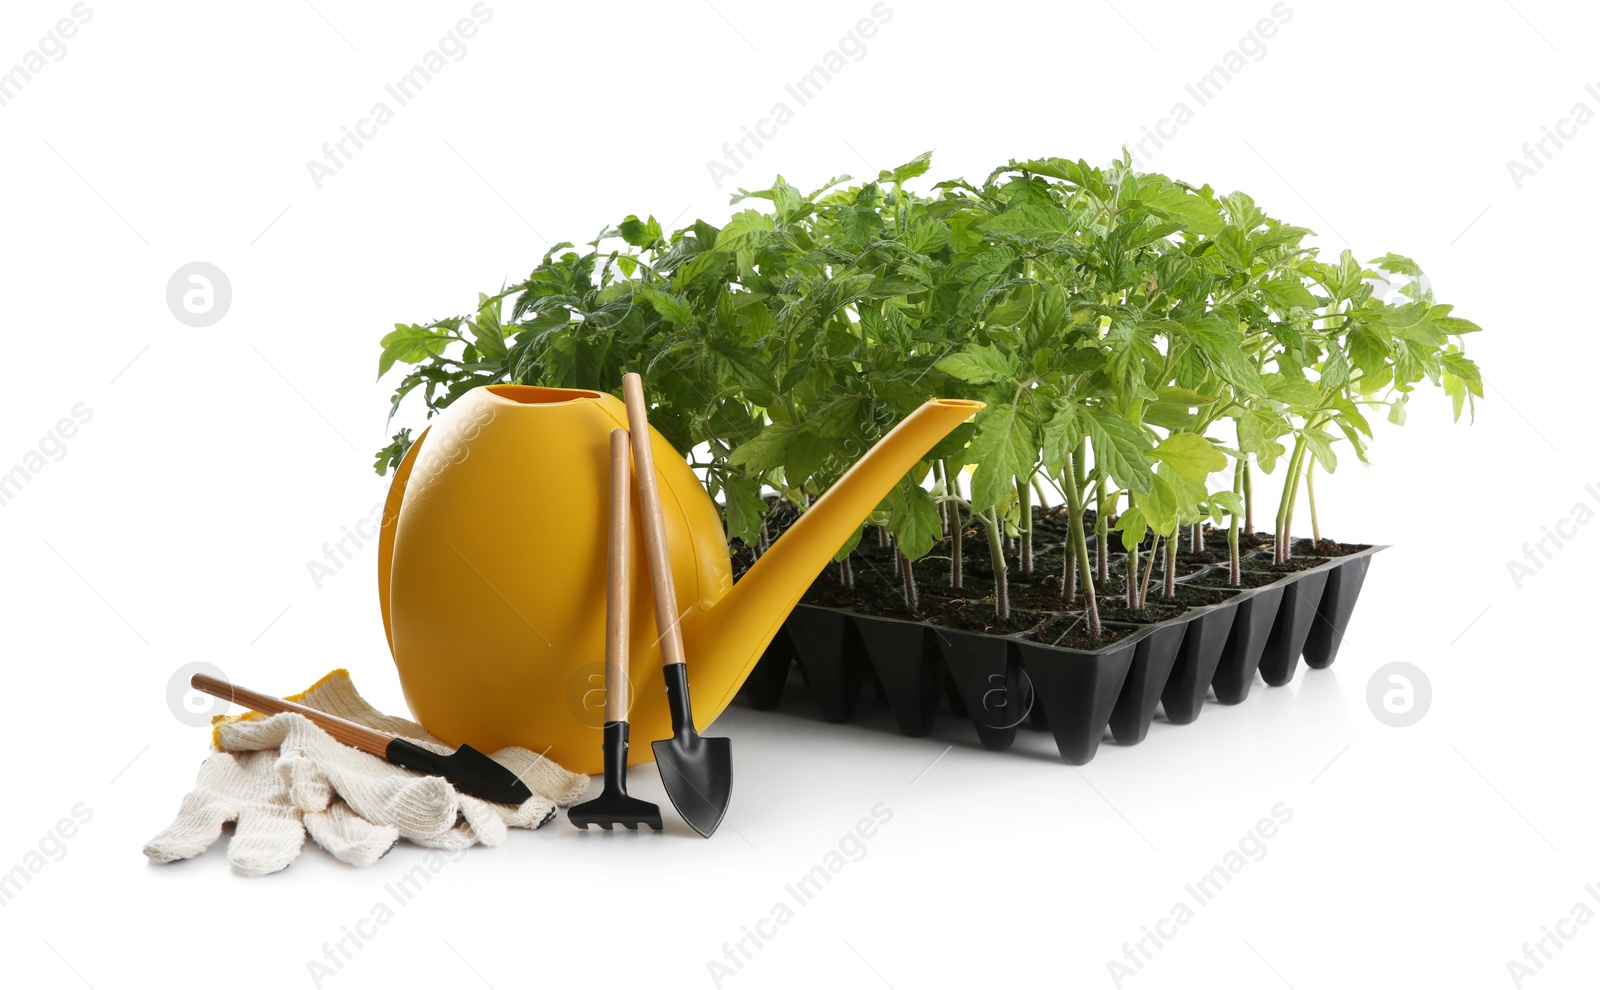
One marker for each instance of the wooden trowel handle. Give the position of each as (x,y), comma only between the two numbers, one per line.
(655,536)
(359,736)
(619,563)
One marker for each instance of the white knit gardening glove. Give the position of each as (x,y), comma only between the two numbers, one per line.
(365,781)
(280,777)
(249,789)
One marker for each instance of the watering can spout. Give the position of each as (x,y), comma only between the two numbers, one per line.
(738,627)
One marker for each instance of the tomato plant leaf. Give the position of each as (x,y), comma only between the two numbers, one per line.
(979,364)
(1003,449)
(1191,455)
(1120,446)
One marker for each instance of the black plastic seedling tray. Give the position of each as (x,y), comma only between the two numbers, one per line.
(1004,683)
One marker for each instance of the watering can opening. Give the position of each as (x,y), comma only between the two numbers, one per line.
(535,395)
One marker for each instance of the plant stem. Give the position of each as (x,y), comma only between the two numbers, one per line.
(944,504)
(1150,565)
(1102,529)
(957,539)
(1249,498)
(1233,527)
(1197,539)
(847,575)
(1080,545)
(908,581)
(1286,504)
(1169,570)
(1288,520)
(953,489)
(997,560)
(1311,498)
(1133,576)
(1025,527)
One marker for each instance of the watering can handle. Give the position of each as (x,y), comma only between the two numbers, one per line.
(655,536)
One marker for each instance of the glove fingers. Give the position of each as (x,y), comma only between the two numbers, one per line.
(194,830)
(484,819)
(349,837)
(413,805)
(308,786)
(267,838)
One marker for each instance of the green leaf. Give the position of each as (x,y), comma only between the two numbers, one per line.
(672,308)
(1062,434)
(910,170)
(1258,433)
(1242,211)
(1159,506)
(1171,416)
(410,344)
(1131,525)
(1335,371)
(1233,247)
(1321,447)
(1003,449)
(1224,504)
(1286,290)
(391,456)
(1410,323)
(1031,223)
(979,364)
(1191,455)
(745,230)
(1191,210)
(1291,390)
(1120,448)
(954,443)
(1183,396)
(1223,349)
(1399,264)
(1465,369)
(639,233)
(766,451)
(805,455)
(914,519)
(745,509)
(1455,325)
(1368,351)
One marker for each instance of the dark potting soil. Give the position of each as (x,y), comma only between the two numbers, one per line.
(1327,548)
(1247,579)
(1188,558)
(978,616)
(1291,566)
(1071,631)
(1155,610)
(1194,597)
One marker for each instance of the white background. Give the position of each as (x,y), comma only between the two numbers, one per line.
(178,525)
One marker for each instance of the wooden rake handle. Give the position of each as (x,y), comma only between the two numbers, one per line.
(619,564)
(655,535)
(359,736)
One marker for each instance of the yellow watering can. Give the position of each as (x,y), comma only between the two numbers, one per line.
(492,559)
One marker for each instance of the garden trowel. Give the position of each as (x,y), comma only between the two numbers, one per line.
(697,772)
